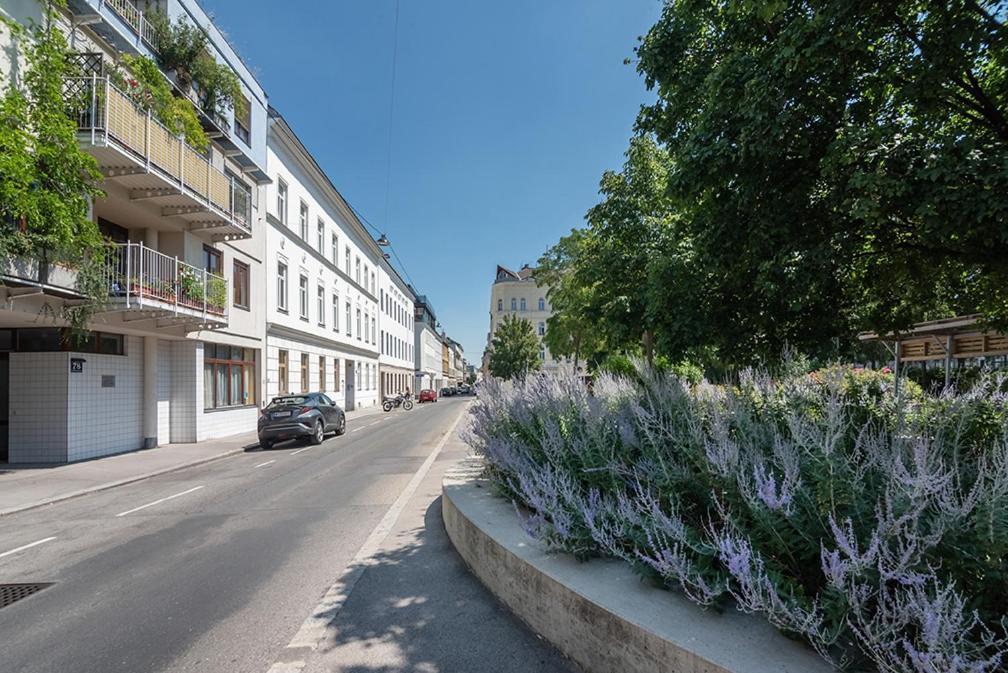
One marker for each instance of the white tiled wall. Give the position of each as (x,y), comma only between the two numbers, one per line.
(105,420)
(226,422)
(164,372)
(38,402)
(186,389)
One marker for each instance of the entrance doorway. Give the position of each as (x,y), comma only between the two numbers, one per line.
(350,385)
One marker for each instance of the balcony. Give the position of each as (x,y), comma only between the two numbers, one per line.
(150,285)
(139,152)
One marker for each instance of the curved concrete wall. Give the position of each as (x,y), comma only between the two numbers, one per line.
(600,614)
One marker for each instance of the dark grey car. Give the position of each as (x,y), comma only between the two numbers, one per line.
(308,415)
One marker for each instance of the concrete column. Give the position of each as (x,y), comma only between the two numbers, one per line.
(151,238)
(150,401)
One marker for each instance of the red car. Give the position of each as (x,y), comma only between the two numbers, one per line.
(427,396)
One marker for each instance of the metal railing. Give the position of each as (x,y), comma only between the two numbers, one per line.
(135,19)
(145,278)
(108,114)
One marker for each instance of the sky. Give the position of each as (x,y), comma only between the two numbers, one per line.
(504,116)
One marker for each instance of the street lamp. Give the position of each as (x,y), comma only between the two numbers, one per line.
(383,241)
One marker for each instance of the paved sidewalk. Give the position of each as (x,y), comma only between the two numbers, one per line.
(24,488)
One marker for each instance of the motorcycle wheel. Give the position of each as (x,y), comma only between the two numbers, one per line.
(407,405)
(387,406)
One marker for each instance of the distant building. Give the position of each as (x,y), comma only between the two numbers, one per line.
(427,348)
(517,293)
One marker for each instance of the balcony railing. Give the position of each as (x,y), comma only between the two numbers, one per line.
(109,115)
(135,19)
(144,278)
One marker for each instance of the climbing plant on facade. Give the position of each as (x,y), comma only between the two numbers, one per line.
(46,181)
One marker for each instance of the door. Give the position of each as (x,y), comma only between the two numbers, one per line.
(350,385)
(4,406)
(328,409)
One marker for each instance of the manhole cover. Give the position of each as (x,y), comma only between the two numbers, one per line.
(12,593)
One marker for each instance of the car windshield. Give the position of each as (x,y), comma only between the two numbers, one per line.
(289,400)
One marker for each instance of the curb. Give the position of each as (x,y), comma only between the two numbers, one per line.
(121,482)
(600,614)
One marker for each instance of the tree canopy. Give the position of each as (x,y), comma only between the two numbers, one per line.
(514,350)
(809,169)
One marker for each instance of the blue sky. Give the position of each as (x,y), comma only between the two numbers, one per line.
(506,114)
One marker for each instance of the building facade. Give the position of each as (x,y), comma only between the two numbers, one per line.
(322,330)
(517,293)
(174,355)
(428,347)
(396,309)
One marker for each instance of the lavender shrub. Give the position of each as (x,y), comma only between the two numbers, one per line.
(872,526)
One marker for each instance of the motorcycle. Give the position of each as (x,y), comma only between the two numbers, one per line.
(390,402)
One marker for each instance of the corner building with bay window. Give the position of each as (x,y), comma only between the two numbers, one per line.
(322,296)
(175,354)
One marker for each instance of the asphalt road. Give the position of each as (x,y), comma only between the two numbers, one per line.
(216,567)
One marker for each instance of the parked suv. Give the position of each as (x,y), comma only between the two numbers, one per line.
(427,395)
(447,392)
(308,415)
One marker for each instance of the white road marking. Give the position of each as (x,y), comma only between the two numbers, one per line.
(294,453)
(158,502)
(314,627)
(358,429)
(268,462)
(27,546)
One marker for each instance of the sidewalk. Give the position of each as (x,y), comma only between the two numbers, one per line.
(24,488)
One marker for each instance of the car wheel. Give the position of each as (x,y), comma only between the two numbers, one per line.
(265,445)
(318,433)
(342,425)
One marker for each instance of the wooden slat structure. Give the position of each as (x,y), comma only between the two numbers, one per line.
(959,338)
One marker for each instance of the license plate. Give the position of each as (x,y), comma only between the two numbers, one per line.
(281,414)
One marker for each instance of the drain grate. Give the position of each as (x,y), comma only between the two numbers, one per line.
(12,593)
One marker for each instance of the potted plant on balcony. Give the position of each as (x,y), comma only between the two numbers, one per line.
(190,287)
(216,295)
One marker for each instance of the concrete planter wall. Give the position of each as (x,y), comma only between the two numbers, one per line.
(600,614)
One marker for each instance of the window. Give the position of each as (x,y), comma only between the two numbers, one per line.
(367,333)
(542,329)
(242,118)
(514,304)
(321,373)
(373,283)
(523,304)
(321,236)
(303,294)
(282,287)
(281,201)
(357,270)
(347,255)
(241,284)
(349,323)
(374,328)
(335,249)
(358,325)
(500,305)
(283,381)
(304,221)
(336,371)
(321,305)
(304,373)
(213,260)
(542,304)
(335,312)
(229,376)
(357,375)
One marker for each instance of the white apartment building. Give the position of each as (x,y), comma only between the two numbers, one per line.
(395,331)
(322,298)
(174,356)
(427,347)
(516,293)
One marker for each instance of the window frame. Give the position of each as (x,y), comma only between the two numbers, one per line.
(303,216)
(229,363)
(283,195)
(303,296)
(241,278)
(282,286)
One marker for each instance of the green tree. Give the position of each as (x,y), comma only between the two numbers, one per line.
(514,350)
(46,181)
(834,166)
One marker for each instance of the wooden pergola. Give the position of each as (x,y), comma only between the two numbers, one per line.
(946,340)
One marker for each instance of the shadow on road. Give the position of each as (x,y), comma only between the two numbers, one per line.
(417,608)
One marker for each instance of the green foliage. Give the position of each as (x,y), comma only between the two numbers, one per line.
(217,293)
(807,171)
(46,180)
(184,48)
(146,84)
(514,350)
